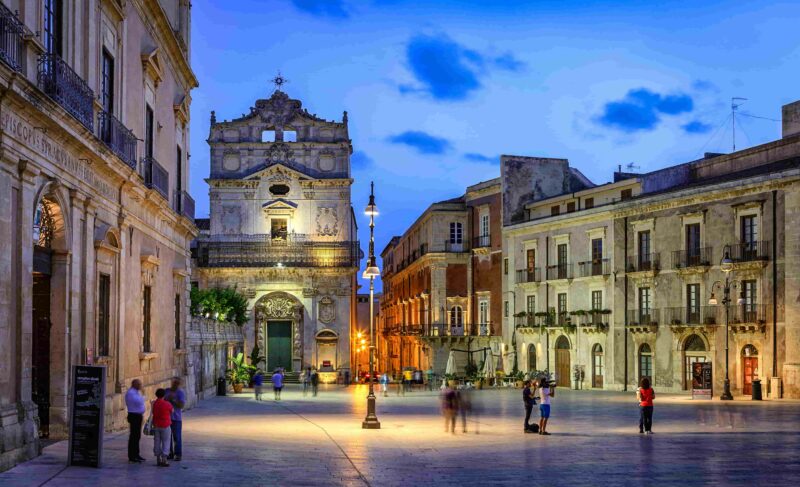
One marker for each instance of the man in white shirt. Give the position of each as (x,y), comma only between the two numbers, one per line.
(134,401)
(546,391)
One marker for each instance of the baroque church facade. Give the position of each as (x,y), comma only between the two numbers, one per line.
(282,231)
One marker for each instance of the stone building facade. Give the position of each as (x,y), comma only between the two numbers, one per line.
(614,282)
(95,220)
(282,231)
(442,286)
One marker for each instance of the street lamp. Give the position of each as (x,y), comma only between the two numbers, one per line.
(726,266)
(371,272)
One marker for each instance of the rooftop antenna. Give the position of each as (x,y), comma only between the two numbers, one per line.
(736,102)
(279,81)
(631,167)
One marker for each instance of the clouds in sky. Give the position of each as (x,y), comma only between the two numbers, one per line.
(322,8)
(642,110)
(448,71)
(422,142)
(360,161)
(696,127)
(476,157)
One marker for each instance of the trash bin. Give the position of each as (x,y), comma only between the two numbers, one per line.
(221,386)
(756,389)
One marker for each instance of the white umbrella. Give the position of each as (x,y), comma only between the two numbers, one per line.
(488,366)
(451,363)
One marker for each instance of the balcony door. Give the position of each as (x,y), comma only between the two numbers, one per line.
(597,256)
(693,244)
(561,255)
(53,26)
(644,250)
(279,229)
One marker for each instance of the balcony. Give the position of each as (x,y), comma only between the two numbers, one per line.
(525,275)
(643,319)
(698,316)
(644,263)
(184,204)
(66,88)
(745,317)
(596,267)
(11,31)
(117,137)
(482,241)
(455,247)
(559,271)
(155,176)
(750,251)
(263,251)
(684,259)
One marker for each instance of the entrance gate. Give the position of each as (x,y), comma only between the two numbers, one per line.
(279,345)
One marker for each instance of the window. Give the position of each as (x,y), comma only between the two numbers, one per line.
(561,256)
(483,312)
(107,83)
(279,228)
(749,230)
(177,321)
(53,21)
(644,250)
(645,362)
(749,293)
(597,300)
(103,314)
(530,260)
(268,136)
(693,243)
(562,308)
(505,309)
(505,266)
(178,171)
(597,256)
(484,226)
(693,303)
(626,194)
(148,131)
(456,316)
(588,203)
(644,306)
(146,320)
(456,233)
(570,207)
(289,136)
(555,210)
(530,304)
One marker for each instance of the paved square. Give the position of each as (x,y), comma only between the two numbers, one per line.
(235,440)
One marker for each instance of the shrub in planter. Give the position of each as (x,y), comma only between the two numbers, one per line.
(238,373)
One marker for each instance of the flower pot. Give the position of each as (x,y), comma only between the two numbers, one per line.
(519,384)
(479,384)
(237,388)
(452,383)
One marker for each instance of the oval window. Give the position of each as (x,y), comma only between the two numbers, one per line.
(279,189)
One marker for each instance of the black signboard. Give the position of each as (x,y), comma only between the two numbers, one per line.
(701,380)
(88,411)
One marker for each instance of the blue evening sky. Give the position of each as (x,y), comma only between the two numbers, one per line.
(437,90)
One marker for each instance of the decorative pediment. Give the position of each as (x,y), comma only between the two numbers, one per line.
(151,63)
(278,172)
(150,265)
(181,109)
(279,204)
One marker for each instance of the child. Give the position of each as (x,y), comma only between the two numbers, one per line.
(258,384)
(162,414)
(645,395)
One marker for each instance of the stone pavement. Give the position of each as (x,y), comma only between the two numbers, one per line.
(235,440)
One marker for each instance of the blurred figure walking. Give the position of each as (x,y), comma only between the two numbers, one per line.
(384,380)
(449,408)
(277,383)
(314,379)
(258,384)
(465,407)
(305,377)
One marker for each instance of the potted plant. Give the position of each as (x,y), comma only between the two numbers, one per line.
(238,373)
(451,380)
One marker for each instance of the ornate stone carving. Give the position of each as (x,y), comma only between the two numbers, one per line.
(276,307)
(278,110)
(279,152)
(327,222)
(309,195)
(327,310)
(231,220)
(309,292)
(249,195)
(279,177)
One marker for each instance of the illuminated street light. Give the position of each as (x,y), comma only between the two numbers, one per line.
(371,272)
(726,266)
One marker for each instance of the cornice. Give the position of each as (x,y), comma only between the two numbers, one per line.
(154,13)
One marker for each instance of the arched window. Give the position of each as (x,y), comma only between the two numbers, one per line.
(43,224)
(645,362)
(749,368)
(531,357)
(694,350)
(456,316)
(597,365)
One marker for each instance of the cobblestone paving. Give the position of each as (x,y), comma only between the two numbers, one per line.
(235,440)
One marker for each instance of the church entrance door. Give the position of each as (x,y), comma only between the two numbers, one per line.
(279,345)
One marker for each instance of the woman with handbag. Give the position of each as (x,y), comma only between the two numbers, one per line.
(162,418)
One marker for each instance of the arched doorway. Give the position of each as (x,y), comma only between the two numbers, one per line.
(327,345)
(694,350)
(597,366)
(749,368)
(279,330)
(531,357)
(562,361)
(645,362)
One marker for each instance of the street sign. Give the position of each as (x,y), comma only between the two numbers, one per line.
(702,387)
(88,412)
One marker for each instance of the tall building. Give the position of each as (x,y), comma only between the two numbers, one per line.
(625,280)
(442,285)
(283,232)
(95,220)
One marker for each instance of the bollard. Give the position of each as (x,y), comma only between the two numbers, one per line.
(221,386)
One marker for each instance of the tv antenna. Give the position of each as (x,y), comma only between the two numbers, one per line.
(736,102)
(631,167)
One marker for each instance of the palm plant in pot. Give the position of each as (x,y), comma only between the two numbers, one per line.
(238,373)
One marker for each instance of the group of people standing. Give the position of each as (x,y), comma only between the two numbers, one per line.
(165,423)
(457,402)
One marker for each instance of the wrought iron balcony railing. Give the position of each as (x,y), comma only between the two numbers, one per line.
(11,31)
(184,204)
(682,259)
(644,262)
(269,253)
(482,241)
(155,176)
(596,267)
(750,251)
(745,314)
(66,88)
(455,246)
(643,317)
(117,137)
(529,275)
(559,271)
(700,315)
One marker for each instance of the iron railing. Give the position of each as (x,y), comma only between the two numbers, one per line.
(700,315)
(682,259)
(643,317)
(455,247)
(61,83)
(529,275)
(281,253)
(184,204)
(155,176)
(745,313)
(117,137)
(11,31)
(644,262)
(750,251)
(559,271)
(595,267)
(482,241)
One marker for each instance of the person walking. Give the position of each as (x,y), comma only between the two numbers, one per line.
(162,420)
(449,408)
(385,384)
(134,402)
(529,401)
(314,379)
(305,378)
(177,397)
(465,406)
(546,391)
(258,384)
(277,383)
(645,395)
(407,376)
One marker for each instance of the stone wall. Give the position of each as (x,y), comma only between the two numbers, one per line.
(210,346)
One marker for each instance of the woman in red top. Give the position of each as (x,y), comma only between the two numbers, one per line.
(645,395)
(162,414)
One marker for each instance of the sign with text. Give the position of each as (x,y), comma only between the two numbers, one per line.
(88,412)
(702,387)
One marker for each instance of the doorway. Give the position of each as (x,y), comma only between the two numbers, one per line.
(40,360)
(749,368)
(279,345)
(531,357)
(597,366)
(693,351)
(562,362)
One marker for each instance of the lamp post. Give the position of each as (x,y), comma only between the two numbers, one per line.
(726,265)
(371,272)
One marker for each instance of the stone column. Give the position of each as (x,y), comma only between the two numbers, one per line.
(8,289)
(61,313)
(438,292)
(120,288)
(24,284)
(791,366)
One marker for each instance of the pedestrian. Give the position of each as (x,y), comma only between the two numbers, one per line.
(177,397)
(384,384)
(645,395)
(529,401)
(162,420)
(314,381)
(465,406)
(306,379)
(277,383)
(134,401)
(547,390)
(449,408)
(407,376)
(258,384)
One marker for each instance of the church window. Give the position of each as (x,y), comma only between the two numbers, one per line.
(279,189)
(268,136)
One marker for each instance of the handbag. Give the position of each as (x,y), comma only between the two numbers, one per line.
(148,426)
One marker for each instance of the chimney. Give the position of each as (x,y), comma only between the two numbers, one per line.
(791,119)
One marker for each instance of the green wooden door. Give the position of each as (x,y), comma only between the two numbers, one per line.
(279,345)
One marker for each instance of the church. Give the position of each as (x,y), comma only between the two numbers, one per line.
(282,231)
